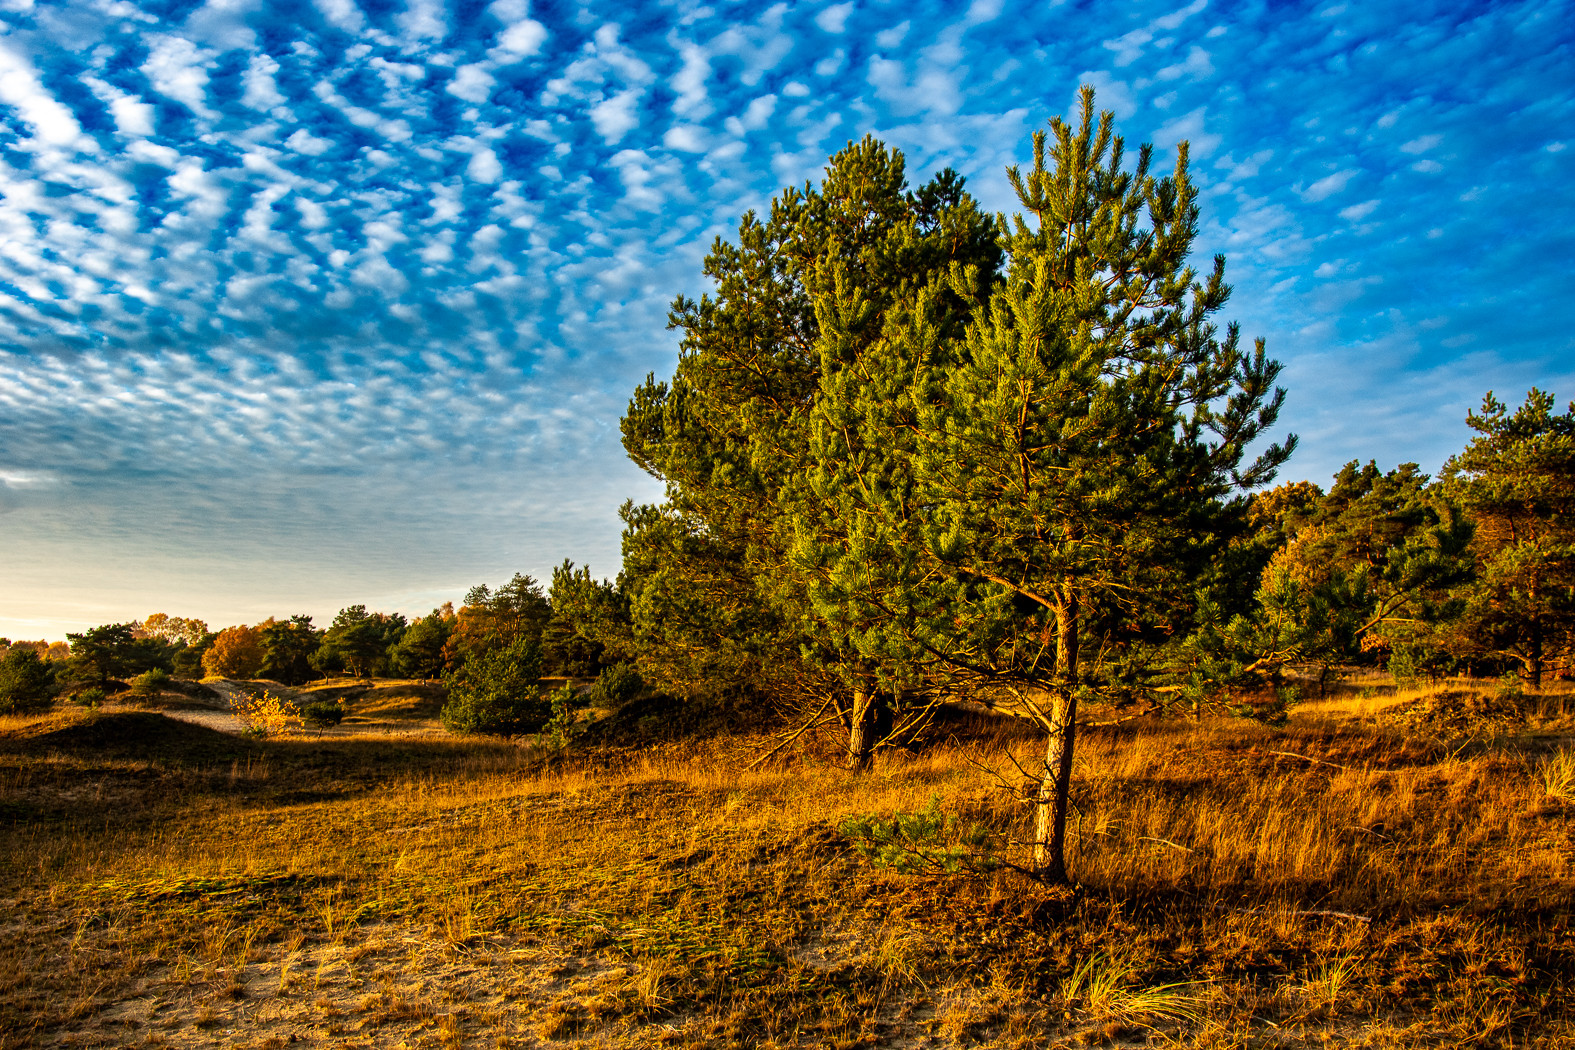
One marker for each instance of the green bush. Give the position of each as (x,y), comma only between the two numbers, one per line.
(27,683)
(619,684)
(151,683)
(926,841)
(497,692)
(92,696)
(564,727)
(323,714)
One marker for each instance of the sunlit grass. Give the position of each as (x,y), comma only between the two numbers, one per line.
(1233,878)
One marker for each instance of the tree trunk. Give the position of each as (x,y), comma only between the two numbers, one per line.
(1055,787)
(864,729)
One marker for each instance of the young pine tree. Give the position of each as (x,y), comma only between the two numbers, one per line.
(1031,500)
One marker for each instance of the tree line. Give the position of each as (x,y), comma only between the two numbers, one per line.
(292,651)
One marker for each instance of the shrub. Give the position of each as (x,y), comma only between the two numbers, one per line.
(323,714)
(27,683)
(150,683)
(265,714)
(89,697)
(619,684)
(496,692)
(564,727)
(926,841)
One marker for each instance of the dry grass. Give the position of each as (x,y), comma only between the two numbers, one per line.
(1239,886)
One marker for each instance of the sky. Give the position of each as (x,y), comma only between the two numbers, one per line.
(310,303)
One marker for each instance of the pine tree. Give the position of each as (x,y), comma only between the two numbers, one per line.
(1517,480)
(1063,472)
(714,591)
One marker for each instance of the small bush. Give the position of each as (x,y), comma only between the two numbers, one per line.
(496,692)
(151,683)
(926,841)
(27,683)
(619,684)
(92,696)
(564,727)
(323,714)
(264,714)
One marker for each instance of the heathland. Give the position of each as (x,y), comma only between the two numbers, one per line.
(1388,868)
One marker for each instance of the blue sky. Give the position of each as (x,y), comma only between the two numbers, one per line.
(312,302)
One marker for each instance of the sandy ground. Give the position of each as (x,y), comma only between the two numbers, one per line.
(216,714)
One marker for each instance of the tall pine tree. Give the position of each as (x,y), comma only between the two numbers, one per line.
(1027,507)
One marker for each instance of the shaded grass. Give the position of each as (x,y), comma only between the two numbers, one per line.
(1238,886)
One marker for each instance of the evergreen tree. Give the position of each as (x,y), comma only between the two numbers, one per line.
(287,647)
(1517,481)
(713,592)
(27,682)
(419,653)
(1063,472)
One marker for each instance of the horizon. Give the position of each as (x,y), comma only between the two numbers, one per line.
(314,306)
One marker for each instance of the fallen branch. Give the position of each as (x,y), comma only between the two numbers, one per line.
(1309,758)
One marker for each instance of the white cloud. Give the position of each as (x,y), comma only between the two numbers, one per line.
(890,38)
(177,68)
(615,117)
(523,38)
(1358,212)
(1109,93)
(423,20)
(1189,126)
(51,122)
(472,83)
(834,19)
(261,91)
(303,141)
(1196,67)
(1329,185)
(686,138)
(1421,144)
(690,82)
(342,13)
(1175,18)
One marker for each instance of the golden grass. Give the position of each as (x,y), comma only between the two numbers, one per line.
(1238,886)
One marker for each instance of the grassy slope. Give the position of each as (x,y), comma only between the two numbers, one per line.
(164,884)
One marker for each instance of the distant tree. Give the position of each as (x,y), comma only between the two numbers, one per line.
(360,642)
(187,662)
(1367,571)
(174,629)
(419,653)
(236,652)
(1517,480)
(27,683)
(489,618)
(288,646)
(106,652)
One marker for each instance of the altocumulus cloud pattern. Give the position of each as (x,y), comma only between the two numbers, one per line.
(305,303)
